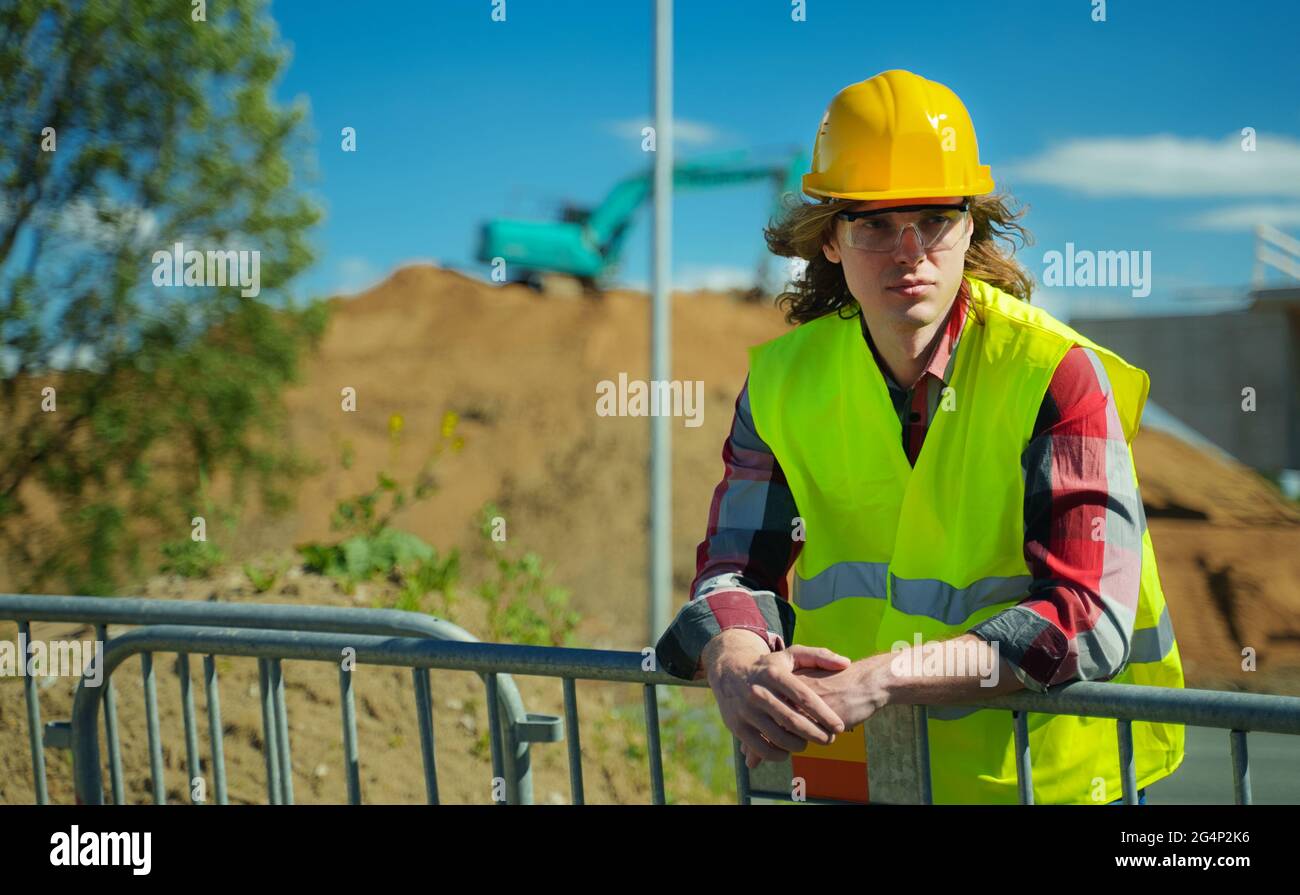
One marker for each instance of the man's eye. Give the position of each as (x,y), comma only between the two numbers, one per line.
(871,224)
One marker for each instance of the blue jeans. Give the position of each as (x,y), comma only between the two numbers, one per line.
(1142,798)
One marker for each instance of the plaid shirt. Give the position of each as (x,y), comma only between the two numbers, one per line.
(1076,620)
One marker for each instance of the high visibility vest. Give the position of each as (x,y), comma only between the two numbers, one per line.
(892,551)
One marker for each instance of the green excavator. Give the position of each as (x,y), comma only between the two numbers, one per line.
(584,246)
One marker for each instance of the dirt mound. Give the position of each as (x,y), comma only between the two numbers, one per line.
(1180,481)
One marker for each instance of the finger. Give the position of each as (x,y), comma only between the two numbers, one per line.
(797,693)
(789,718)
(775,733)
(757,749)
(818,657)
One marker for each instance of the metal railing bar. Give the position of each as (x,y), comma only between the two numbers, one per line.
(351,762)
(1127,764)
(33,718)
(1168,705)
(191,728)
(110,729)
(1240,768)
(1024,768)
(282,732)
(216,734)
(151,724)
(571,732)
(1244,711)
(651,697)
(742,773)
(428,746)
(270,752)
(494,736)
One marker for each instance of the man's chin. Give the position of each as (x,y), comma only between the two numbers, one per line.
(915,313)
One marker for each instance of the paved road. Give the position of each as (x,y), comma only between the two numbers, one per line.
(1205,776)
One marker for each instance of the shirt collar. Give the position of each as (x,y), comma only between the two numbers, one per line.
(942,356)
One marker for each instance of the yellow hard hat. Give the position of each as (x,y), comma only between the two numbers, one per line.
(896,136)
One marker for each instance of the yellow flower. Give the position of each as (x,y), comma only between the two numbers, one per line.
(449,420)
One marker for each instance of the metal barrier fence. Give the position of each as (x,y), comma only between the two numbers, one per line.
(512,763)
(898,735)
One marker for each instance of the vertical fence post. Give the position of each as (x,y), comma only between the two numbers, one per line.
(742,773)
(151,723)
(1024,766)
(424,706)
(270,751)
(575,745)
(110,727)
(494,737)
(191,728)
(1127,768)
(351,763)
(651,695)
(1240,768)
(215,732)
(33,716)
(282,733)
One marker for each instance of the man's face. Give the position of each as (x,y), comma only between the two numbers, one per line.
(910,284)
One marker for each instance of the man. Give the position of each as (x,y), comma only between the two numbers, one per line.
(947,468)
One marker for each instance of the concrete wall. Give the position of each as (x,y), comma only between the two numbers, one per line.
(1199,366)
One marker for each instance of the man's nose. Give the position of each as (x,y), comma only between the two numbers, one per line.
(910,248)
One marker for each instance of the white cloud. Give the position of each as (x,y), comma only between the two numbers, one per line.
(1053,301)
(1166,165)
(716,278)
(354,274)
(1246,217)
(684,131)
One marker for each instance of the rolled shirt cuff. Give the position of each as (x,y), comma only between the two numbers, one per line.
(703,618)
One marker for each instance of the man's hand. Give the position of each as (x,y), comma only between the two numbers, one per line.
(769,709)
(854,693)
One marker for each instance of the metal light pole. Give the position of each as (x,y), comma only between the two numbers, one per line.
(660,325)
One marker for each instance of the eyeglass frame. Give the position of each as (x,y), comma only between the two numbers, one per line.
(851,216)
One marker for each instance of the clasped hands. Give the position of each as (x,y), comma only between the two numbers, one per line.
(778,702)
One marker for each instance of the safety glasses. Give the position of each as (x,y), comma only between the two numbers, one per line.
(936,227)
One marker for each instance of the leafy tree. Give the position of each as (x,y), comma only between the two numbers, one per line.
(126,127)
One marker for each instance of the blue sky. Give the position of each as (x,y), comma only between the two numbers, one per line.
(1119,135)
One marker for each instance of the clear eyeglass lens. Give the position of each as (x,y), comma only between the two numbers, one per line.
(936,229)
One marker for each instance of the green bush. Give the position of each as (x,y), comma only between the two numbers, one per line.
(373,548)
(522,607)
(191,559)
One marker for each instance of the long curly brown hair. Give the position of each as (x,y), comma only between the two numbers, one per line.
(807,226)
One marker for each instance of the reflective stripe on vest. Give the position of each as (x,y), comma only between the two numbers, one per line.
(839,581)
(915,596)
(1153,644)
